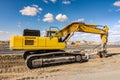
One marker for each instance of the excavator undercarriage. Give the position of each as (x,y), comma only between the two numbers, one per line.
(40,58)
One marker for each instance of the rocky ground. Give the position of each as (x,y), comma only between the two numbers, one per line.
(12,67)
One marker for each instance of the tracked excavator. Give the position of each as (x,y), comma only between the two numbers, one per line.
(51,48)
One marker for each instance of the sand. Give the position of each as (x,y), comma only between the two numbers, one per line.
(12,67)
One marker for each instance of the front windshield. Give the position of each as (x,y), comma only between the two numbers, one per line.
(50,33)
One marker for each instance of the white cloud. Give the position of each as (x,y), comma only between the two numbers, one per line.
(116,26)
(48,17)
(114,35)
(31,10)
(114,32)
(119,21)
(80,20)
(61,17)
(45,1)
(40,9)
(79,36)
(66,2)
(4,35)
(43,33)
(117,3)
(4,32)
(34,5)
(53,1)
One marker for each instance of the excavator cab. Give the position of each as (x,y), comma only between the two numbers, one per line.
(50,33)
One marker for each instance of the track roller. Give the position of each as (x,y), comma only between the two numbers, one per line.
(78,58)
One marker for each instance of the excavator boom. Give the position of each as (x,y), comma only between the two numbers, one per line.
(82,27)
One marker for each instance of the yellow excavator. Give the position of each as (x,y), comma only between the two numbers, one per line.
(51,48)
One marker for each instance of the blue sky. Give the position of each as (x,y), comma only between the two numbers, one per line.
(16,15)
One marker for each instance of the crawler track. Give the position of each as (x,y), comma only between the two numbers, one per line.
(41,60)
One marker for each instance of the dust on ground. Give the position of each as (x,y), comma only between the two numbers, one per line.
(12,67)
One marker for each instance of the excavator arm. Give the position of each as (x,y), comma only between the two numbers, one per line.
(69,30)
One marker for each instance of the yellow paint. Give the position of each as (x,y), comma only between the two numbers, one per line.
(40,43)
(52,42)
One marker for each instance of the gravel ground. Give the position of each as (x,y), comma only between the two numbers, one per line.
(12,67)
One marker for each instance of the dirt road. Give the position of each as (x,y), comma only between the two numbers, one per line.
(12,67)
